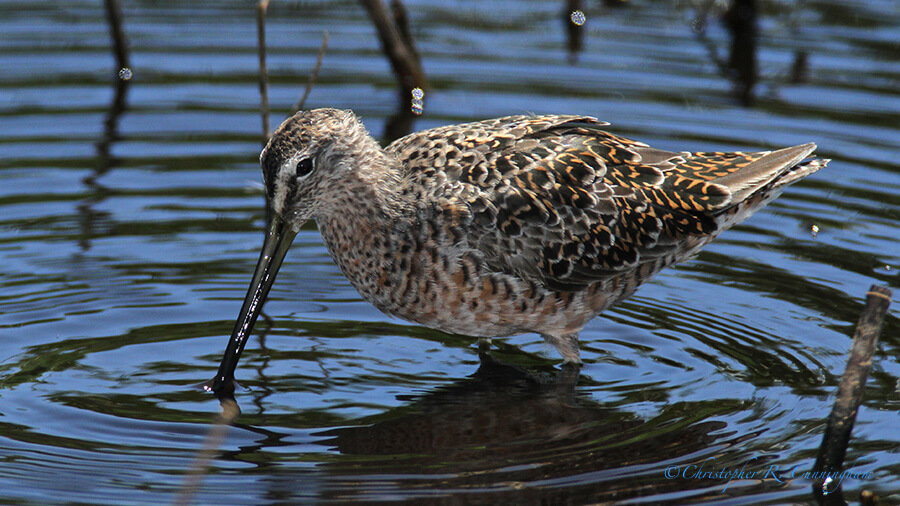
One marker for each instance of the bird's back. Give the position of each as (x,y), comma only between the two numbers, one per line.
(561,202)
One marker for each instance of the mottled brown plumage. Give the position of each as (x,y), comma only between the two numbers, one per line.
(512,225)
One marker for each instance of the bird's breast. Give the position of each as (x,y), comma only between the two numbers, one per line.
(422,273)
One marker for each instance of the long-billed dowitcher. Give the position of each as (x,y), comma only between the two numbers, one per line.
(500,227)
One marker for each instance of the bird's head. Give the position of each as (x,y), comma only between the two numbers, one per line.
(310,159)
(309,166)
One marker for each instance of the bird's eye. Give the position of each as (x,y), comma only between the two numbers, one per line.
(304,167)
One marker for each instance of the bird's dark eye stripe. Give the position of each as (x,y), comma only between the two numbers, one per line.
(304,167)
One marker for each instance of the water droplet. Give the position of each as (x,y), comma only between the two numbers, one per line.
(825,484)
(577,17)
(417,93)
(417,106)
(125,73)
(814,230)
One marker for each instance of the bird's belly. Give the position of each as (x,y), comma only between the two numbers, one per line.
(455,300)
(460,295)
(451,288)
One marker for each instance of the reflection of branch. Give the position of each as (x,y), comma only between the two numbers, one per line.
(263,390)
(261,9)
(397,45)
(850,394)
(314,74)
(699,29)
(800,68)
(110,124)
(120,45)
(740,19)
(573,19)
(123,75)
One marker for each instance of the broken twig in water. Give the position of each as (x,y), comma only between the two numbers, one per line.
(849,397)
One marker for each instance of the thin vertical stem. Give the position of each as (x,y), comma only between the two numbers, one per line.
(314,74)
(261,9)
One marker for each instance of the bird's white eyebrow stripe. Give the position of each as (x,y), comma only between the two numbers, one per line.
(284,184)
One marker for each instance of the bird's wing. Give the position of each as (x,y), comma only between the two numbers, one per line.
(558,200)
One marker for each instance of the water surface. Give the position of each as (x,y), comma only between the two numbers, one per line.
(126,248)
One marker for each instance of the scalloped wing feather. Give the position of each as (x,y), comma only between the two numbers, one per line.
(560,201)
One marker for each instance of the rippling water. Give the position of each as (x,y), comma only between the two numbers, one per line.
(125,258)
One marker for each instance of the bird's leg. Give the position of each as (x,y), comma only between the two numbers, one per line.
(567,345)
(567,378)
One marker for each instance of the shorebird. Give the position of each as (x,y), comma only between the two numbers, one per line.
(499,227)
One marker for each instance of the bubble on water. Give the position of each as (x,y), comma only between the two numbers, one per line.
(577,17)
(417,93)
(698,25)
(125,73)
(814,230)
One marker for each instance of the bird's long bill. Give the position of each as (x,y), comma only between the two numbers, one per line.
(279,236)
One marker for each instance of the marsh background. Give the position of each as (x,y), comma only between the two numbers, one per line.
(128,233)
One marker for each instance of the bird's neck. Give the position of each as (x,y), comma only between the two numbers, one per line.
(365,202)
(369,188)
(359,223)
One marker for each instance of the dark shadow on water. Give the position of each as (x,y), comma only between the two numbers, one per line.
(505,435)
